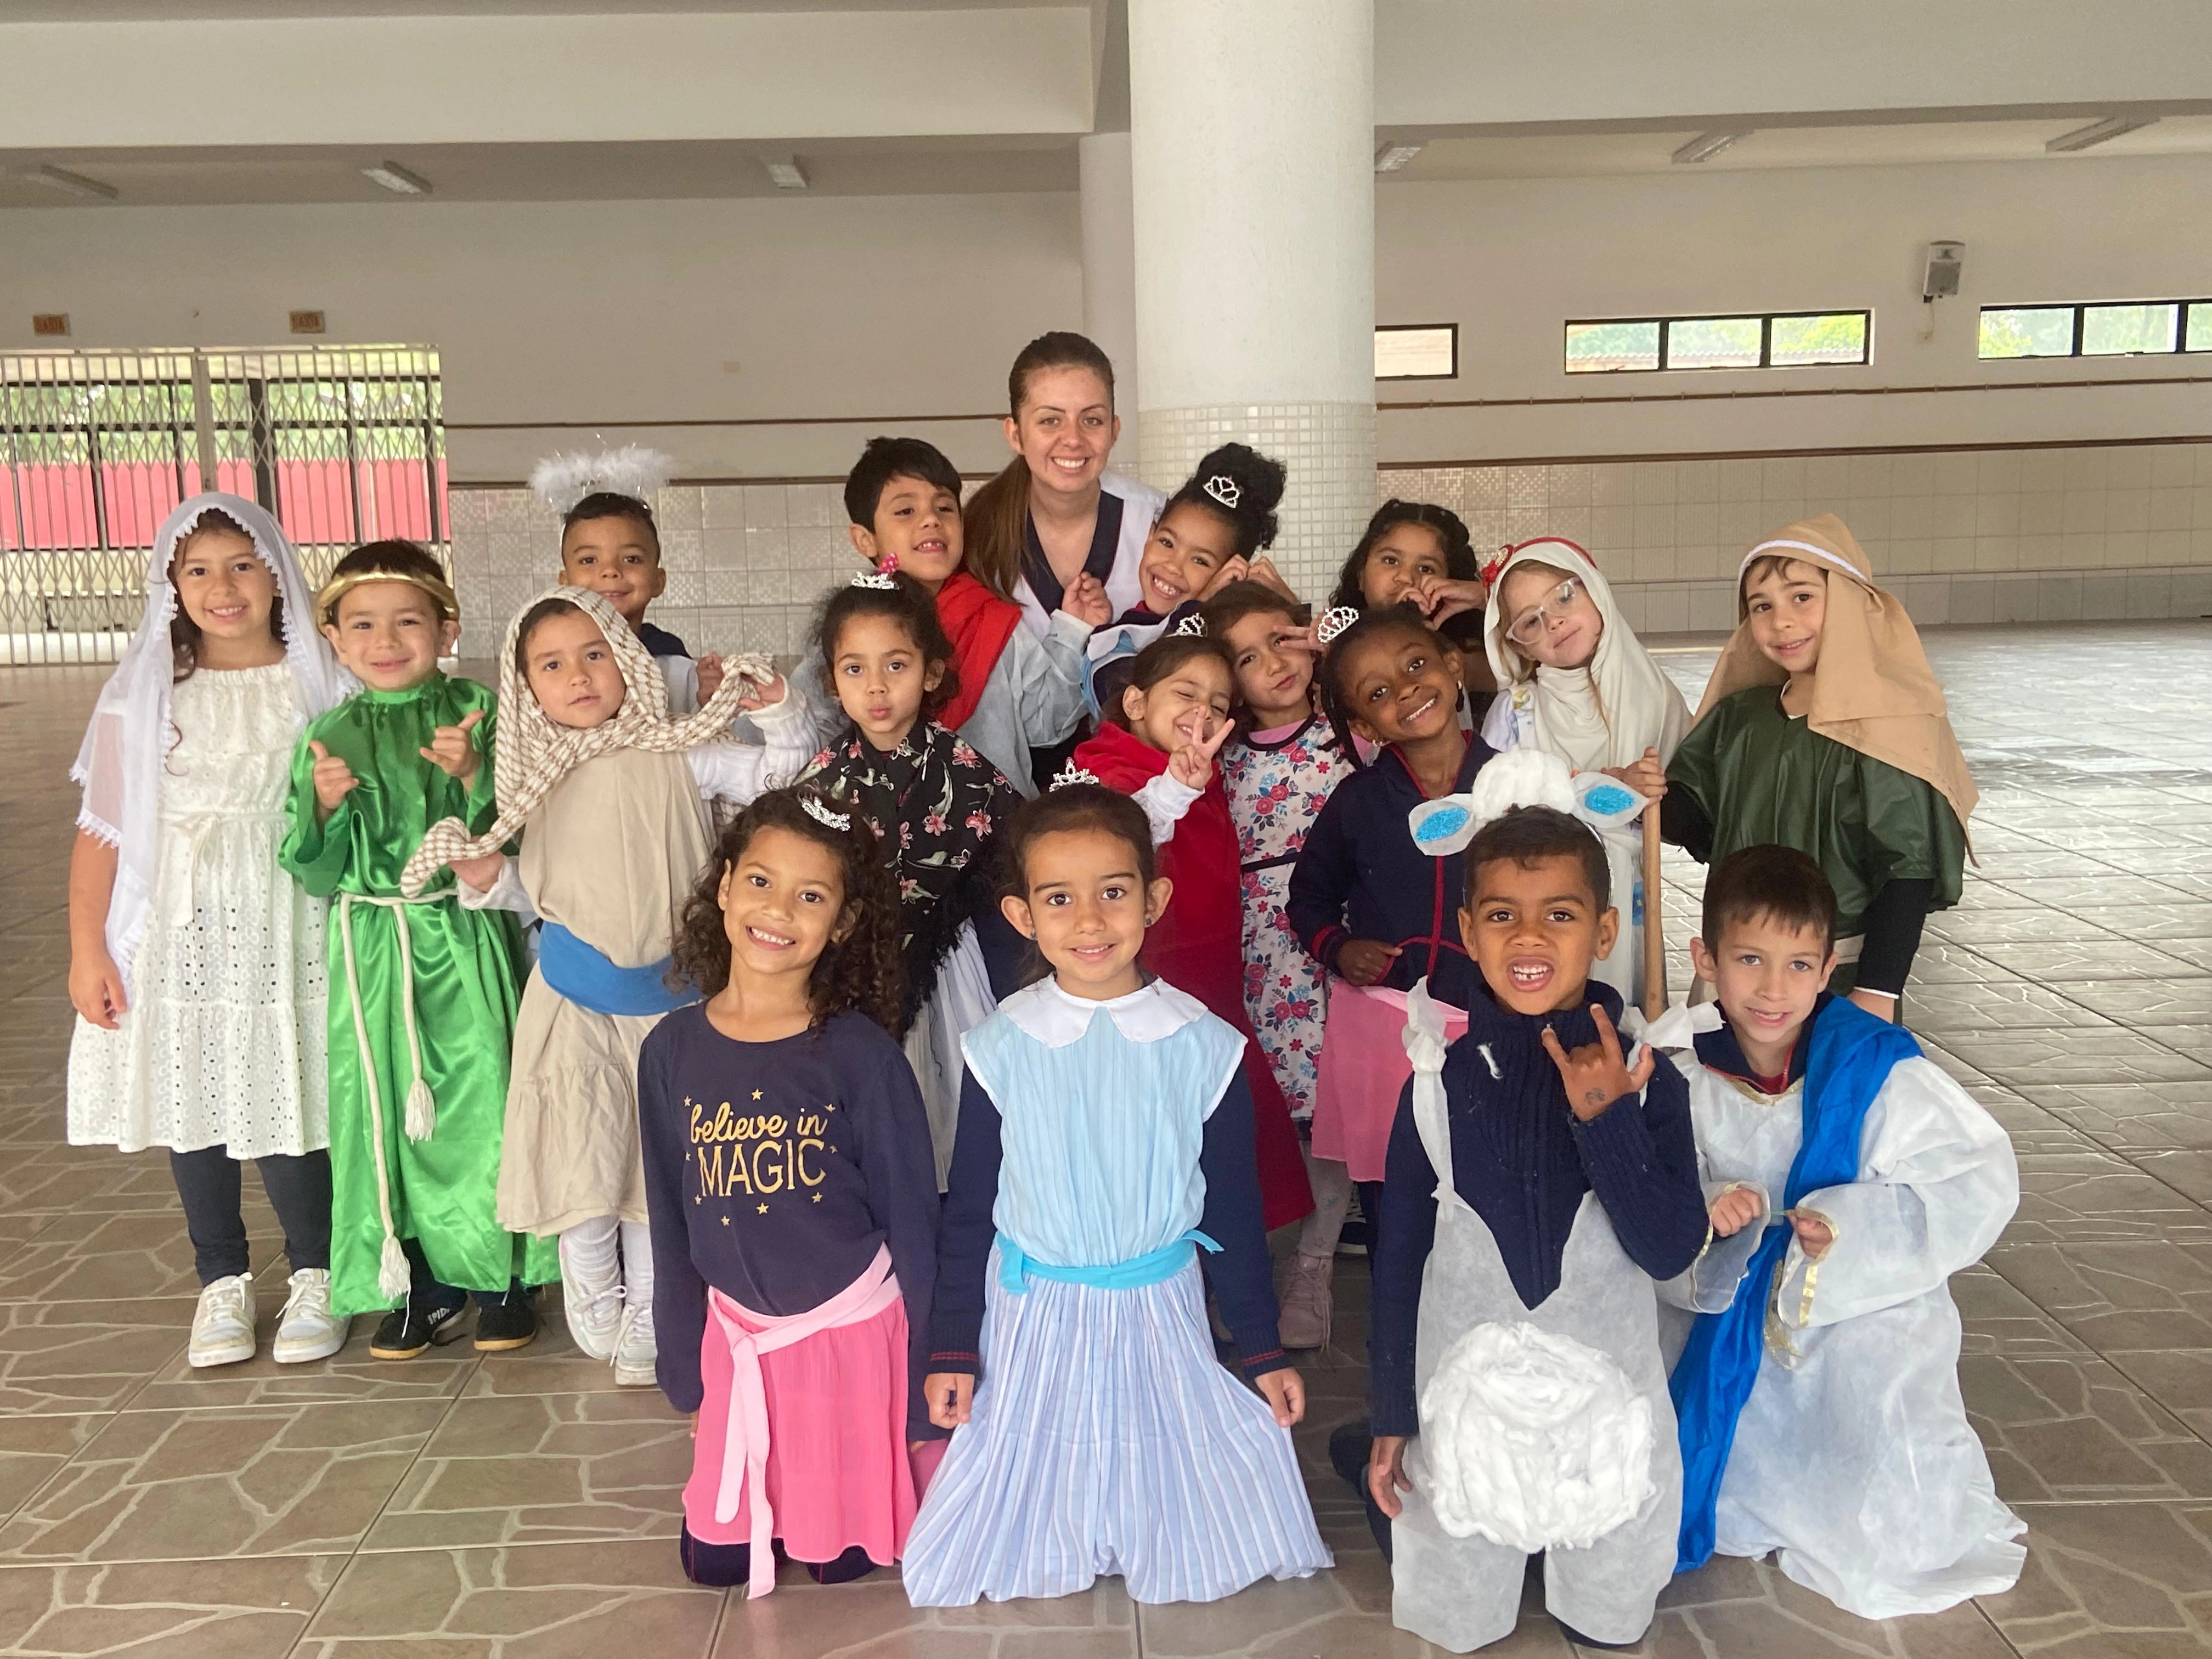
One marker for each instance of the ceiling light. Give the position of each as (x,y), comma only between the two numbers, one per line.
(2110,127)
(75,184)
(397,179)
(1391,157)
(785,171)
(1706,145)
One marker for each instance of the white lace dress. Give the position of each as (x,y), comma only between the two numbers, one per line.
(223,1044)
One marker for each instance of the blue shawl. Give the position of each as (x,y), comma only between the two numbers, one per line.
(1852,1053)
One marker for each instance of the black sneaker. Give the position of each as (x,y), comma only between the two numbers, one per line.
(407,1332)
(508,1322)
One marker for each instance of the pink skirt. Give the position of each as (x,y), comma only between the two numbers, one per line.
(838,1470)
(1364,1070)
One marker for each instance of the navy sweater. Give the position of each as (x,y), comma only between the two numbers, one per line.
(1360,876)
(1243,1279)
(1523,1161)
(775,1171)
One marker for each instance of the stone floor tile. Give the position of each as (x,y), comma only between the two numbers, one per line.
(1750,1607)
(174,1485)
(2003,1006)
(2156,1002)
(2023,1059)
(2173,918)
(253,1609)
(2073,1428)
(348,1375)
(1998,1318)
(85,1356)
(32,1448)
(2125,1116)
(546,1602)
(544,1468)
(1323,1617)
(2112,1580)
(2117,1296)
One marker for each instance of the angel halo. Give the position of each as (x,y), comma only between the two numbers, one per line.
(633,471)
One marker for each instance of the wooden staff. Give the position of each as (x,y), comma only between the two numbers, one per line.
(1654,937)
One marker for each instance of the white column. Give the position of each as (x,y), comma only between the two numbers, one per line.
(1252,163)
(1109,270)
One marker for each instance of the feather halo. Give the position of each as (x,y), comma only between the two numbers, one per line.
(562,481)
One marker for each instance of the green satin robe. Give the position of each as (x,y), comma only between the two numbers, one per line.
(468,969)
(1762,777)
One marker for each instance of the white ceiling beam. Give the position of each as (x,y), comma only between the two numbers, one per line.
(1468,64)
(389,80)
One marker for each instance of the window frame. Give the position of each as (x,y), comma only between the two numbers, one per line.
(2081,308)
(1423,328)
(1765,319)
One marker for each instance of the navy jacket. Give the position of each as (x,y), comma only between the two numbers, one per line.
(1360,876)
(1523,1161)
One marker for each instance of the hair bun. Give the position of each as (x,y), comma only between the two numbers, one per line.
(1238,480)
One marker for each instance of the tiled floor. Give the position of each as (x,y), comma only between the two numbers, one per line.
(521,1507)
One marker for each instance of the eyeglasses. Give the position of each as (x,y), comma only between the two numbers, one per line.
(1529,627)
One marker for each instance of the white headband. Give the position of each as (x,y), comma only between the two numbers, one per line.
(1834,560)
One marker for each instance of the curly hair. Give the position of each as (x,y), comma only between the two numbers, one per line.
(906,603)
(860,972)
(1336,700)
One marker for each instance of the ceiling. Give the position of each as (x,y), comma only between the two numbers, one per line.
(1562,155)
(987,164)
(551,173)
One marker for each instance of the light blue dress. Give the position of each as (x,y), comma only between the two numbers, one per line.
(1105,1435)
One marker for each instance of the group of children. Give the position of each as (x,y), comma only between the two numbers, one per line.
(904,1063)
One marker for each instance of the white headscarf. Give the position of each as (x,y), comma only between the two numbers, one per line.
(118,765)
(1605,715)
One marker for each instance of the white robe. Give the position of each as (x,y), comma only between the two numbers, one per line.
(1853,1458)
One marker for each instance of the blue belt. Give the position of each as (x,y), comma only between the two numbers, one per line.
(583,974)
(1016,1266)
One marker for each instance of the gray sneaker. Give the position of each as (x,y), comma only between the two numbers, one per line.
(1307,1299)
(223,1324)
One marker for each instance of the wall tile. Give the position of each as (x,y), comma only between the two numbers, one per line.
(1974,602)
(2058,599)
(2149,593)
(1739,481)
(2170,510)
(2042,512)
(1570,486)
(1782,478)
(2126,509)
(2128,547)
(1697,481)
(1666,610)
(2084,509)
(1952,553)
(1956,473)
(1913,475)
(1870,475)
(2174,466)
(2128,468)
(1955,515)
(1997,515)
(2168,546)
(2084,469)
(1655,484)
(1998,471)
(2192,593)
(1613,483)
(1654,525)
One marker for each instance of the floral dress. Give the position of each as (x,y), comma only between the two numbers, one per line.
(1276,781)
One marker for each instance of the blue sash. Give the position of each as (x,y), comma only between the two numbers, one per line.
(1851,1055)
(583,974)
(1016,1267)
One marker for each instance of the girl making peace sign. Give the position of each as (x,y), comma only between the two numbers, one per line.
(1158,746)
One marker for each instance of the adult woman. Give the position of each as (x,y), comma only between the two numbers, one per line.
(1055,518)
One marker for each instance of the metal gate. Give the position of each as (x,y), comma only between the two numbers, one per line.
(343,444)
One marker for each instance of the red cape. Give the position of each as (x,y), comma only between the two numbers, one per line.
(979,623)
(1198,946)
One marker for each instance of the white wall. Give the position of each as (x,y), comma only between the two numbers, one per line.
(614,314)
(1511,261)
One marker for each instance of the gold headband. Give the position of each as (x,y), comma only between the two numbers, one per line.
(327,602)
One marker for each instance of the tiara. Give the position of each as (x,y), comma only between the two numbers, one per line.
(812,806)
(1333,621)
(876,579)
(1193,625)
(1071,774)
(1223,489)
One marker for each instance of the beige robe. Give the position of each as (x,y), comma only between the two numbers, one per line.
(612,856)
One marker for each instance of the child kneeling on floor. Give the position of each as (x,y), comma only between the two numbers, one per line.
(1538,1183)
(1820,1410)
(793,1204)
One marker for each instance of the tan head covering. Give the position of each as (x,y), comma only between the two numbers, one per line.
(1873,689)
(532,753)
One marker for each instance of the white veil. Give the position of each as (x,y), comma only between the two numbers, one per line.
(118,765)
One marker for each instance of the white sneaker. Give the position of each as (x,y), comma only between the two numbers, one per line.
(637,1355)
(223,1324)
(308,1329)
(594,1311)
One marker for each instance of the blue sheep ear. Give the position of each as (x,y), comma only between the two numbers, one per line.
(1605,803)
(1441,827)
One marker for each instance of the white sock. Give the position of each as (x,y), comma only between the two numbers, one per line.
(590,1267)
(637,1270)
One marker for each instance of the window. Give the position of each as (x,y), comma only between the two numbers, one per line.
(1776,340)
(343,444)
(2122,329)
(1417,351)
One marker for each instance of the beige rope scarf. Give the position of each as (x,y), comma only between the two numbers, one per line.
(531,753)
